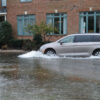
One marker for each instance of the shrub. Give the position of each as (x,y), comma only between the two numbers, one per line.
(43,29)
(15,43)
(28,44)
(37,38)
(21,44)
(5,33)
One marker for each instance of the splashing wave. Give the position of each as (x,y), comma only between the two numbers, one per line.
(38,54)
(35,54)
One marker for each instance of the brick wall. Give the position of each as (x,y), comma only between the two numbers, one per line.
(0,3)
(41,7)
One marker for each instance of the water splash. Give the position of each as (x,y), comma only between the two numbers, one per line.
(35,54)
(38,54)
(95,57)
(90,57)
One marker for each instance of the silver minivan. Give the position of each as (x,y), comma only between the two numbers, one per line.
(74,45)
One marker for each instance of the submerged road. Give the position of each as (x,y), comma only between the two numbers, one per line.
(49,78)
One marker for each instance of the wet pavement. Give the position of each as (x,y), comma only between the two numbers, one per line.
(49,78)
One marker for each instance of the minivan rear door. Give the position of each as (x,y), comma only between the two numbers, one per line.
(82,44)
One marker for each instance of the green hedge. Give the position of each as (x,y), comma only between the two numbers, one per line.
(15,43)
(23,44)
(5,33)
(6,38)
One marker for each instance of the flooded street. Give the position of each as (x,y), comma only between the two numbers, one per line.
(39,78)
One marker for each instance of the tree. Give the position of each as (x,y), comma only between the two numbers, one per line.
(43,29)
(5,32)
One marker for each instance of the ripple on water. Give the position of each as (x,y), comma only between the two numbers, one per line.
(3,81)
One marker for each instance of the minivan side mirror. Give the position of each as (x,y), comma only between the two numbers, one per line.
(61,43)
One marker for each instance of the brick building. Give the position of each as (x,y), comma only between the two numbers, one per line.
(68,16)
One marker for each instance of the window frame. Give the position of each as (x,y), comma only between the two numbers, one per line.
(22,18)
(3,3)
(52,16)
(87,14)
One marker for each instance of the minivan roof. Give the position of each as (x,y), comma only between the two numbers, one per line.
(80,34)
(86,34)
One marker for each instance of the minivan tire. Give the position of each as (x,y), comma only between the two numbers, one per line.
(96,53)
(50,52)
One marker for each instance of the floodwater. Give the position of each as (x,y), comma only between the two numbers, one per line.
(49,78)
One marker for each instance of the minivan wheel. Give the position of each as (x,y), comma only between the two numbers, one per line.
(50,52)
(96,53)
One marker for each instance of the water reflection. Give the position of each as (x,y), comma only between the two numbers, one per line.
(49,79)
(83,68)
(9,71)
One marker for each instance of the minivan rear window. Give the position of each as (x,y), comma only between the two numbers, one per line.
(83,38)
(96,38)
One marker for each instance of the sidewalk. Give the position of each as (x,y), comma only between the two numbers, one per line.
(12,51)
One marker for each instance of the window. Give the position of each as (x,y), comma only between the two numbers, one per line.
(96,38)
(83,38)
(90,22)
(59,22)
(25,0)
(87,38)
(68,39)
(23,21)
(4,2)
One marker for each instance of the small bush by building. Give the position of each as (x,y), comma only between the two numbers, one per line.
(25,44)
(7,40)
(15,43)
(28,44)
(5,33)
